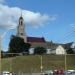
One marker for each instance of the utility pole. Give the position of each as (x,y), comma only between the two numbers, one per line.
(1,39)
(65,64)
(41,66)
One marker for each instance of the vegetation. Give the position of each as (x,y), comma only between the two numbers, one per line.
(1,54)
(40,50)
(17,45)
(31,63)
(70,51)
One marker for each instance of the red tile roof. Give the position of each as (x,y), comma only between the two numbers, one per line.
(35,39)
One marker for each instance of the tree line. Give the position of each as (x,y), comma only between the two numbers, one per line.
(17,46)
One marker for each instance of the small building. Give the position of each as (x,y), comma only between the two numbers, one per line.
(60,50)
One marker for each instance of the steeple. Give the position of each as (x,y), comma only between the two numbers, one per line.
(21,28)
(21,16)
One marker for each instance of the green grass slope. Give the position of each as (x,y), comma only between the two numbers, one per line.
(32,63)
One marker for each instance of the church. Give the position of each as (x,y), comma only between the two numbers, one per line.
(52,48)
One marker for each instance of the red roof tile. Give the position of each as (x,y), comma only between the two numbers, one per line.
(35,39)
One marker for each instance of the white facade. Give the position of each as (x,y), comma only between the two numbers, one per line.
(48,51)
(31,51)
(21,29)
(60,50)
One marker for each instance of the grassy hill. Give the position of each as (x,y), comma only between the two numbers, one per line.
(33,62)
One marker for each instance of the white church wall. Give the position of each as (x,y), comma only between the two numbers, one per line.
(60,50)
(48,51)
(53,51)
(31,51)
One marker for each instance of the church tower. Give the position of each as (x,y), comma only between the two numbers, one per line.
(21,29)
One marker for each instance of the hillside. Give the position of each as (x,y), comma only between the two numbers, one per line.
(33,62)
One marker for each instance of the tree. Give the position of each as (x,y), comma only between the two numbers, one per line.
(1,54)
(17,45)
(70,51)
(26,47)
(4,54)
(40,50)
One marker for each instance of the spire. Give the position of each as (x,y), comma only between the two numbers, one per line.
(21,13)
(21,28)
(21,16)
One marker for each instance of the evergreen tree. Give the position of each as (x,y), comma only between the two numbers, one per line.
(17,45)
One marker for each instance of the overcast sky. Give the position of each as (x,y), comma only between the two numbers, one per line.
(51,19)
